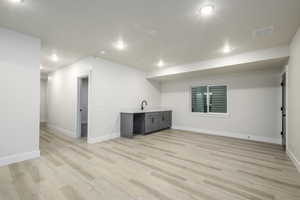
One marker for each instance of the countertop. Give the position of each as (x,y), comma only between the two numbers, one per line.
(133,111)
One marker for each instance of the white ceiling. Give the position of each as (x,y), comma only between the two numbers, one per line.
(166,29)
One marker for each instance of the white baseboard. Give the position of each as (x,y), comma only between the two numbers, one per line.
(19,157)
(103,138)
(231,134)
(66,132)
(294,159)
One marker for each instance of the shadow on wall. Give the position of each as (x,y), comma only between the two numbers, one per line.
(155,83)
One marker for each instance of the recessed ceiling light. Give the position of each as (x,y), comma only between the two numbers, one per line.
(206,10)
(54,58)
(102,52)
(161,63)
(17,1)
(120,45)
(227,49)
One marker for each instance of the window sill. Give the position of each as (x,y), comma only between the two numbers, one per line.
(217,115)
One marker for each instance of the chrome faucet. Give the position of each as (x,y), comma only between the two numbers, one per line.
(143,104)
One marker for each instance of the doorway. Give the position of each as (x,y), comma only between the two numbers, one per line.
(283,111)
(83,107)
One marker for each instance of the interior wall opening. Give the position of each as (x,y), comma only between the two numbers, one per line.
(83,107)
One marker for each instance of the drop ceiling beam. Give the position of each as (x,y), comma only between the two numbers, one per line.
(229,61)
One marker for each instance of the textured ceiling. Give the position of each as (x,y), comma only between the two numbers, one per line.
(153,30)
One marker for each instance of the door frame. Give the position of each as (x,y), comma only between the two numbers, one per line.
(77,109)
(285,71)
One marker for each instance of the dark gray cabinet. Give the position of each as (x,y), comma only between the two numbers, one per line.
(143,123)
(166,119)
(152,122)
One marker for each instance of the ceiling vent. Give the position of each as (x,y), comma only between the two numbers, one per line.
(263,32)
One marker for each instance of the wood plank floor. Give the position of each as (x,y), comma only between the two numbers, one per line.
(167,165)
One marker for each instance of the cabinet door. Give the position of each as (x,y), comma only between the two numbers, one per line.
(149,124)
(158,121)
(152,122)
(165,120)
(126,125)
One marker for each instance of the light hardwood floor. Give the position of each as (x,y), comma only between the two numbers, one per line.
(167,165)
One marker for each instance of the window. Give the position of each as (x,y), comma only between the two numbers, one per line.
(209,99)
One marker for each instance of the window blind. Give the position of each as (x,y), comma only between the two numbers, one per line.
(218,99)
(209,99)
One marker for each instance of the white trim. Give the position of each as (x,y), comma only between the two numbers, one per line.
(7,160)
(286,71)
(294,159)
(66,132)
(103,138)
(89,114)
(231,134)
(213,115)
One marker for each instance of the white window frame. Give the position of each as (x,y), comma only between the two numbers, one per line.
(208,114)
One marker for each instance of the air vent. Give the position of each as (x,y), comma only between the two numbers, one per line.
(263,32)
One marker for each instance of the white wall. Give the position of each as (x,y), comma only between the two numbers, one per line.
(62,97)
(113,87)
(43,100)
(293,100)
(253,105)
(20,96)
